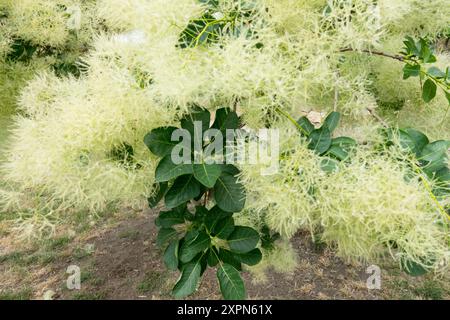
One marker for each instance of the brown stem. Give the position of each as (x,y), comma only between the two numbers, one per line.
(206,198)
(373,113)
(377,53)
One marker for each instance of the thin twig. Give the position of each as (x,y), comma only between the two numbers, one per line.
(336,96)
(376,116)
(377,53)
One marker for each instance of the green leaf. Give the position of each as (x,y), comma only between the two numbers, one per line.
(306,125)
(426,53)
(154,200)
(320,140)
(337,152)
(188,281)
(197,115)
(226,119)
(213,217)
(435,151)
(199,31)
(171,255)
(170,218)
(411,71)
(167,170)
(414,269)
(243,239)
(443,175)
(231,284)
(447,95)
(419,138)
(434,166)
(436,73)
(429,91)
(189,249)
(405,140)
(224,228)
(184,188)
(21,50)
(211,3)
(159,141)
(213,255)
(345,143)
(165,235)
(207,174)
(229,194)
(410,45)
(230,169)
(332,121)
(229,257)
(329,165)
(251,258)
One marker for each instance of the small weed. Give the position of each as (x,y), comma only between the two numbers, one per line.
(23,294)
(57,243)
(151,283)
(81,253)
(430,290)
(129,234)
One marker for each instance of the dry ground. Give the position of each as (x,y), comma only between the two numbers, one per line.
(119,260)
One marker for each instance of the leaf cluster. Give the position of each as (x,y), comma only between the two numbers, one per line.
(206,237)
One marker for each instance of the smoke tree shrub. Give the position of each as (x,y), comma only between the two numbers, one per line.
(77,142)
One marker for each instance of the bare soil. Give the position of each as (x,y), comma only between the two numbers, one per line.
(120,260)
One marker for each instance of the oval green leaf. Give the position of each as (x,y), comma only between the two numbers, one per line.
(159,141)
(243,239)
(207,174)
(189,249)
(320,140)
(171,255)
(429,90)
(231,283)
(229,194)
(188,281)
(184,188)
(167,170)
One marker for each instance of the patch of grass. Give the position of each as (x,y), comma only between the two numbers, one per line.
(23,294)
(16,258)
(152,282)
(86,276)
(27,258)
(83,252)
(431,290)
(57,243)
(129,234)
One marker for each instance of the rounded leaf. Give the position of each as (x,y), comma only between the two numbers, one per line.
(429,90)
(159,141)
(251,258)
(320,140)
(167,170)
(207,174)
(243,239)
